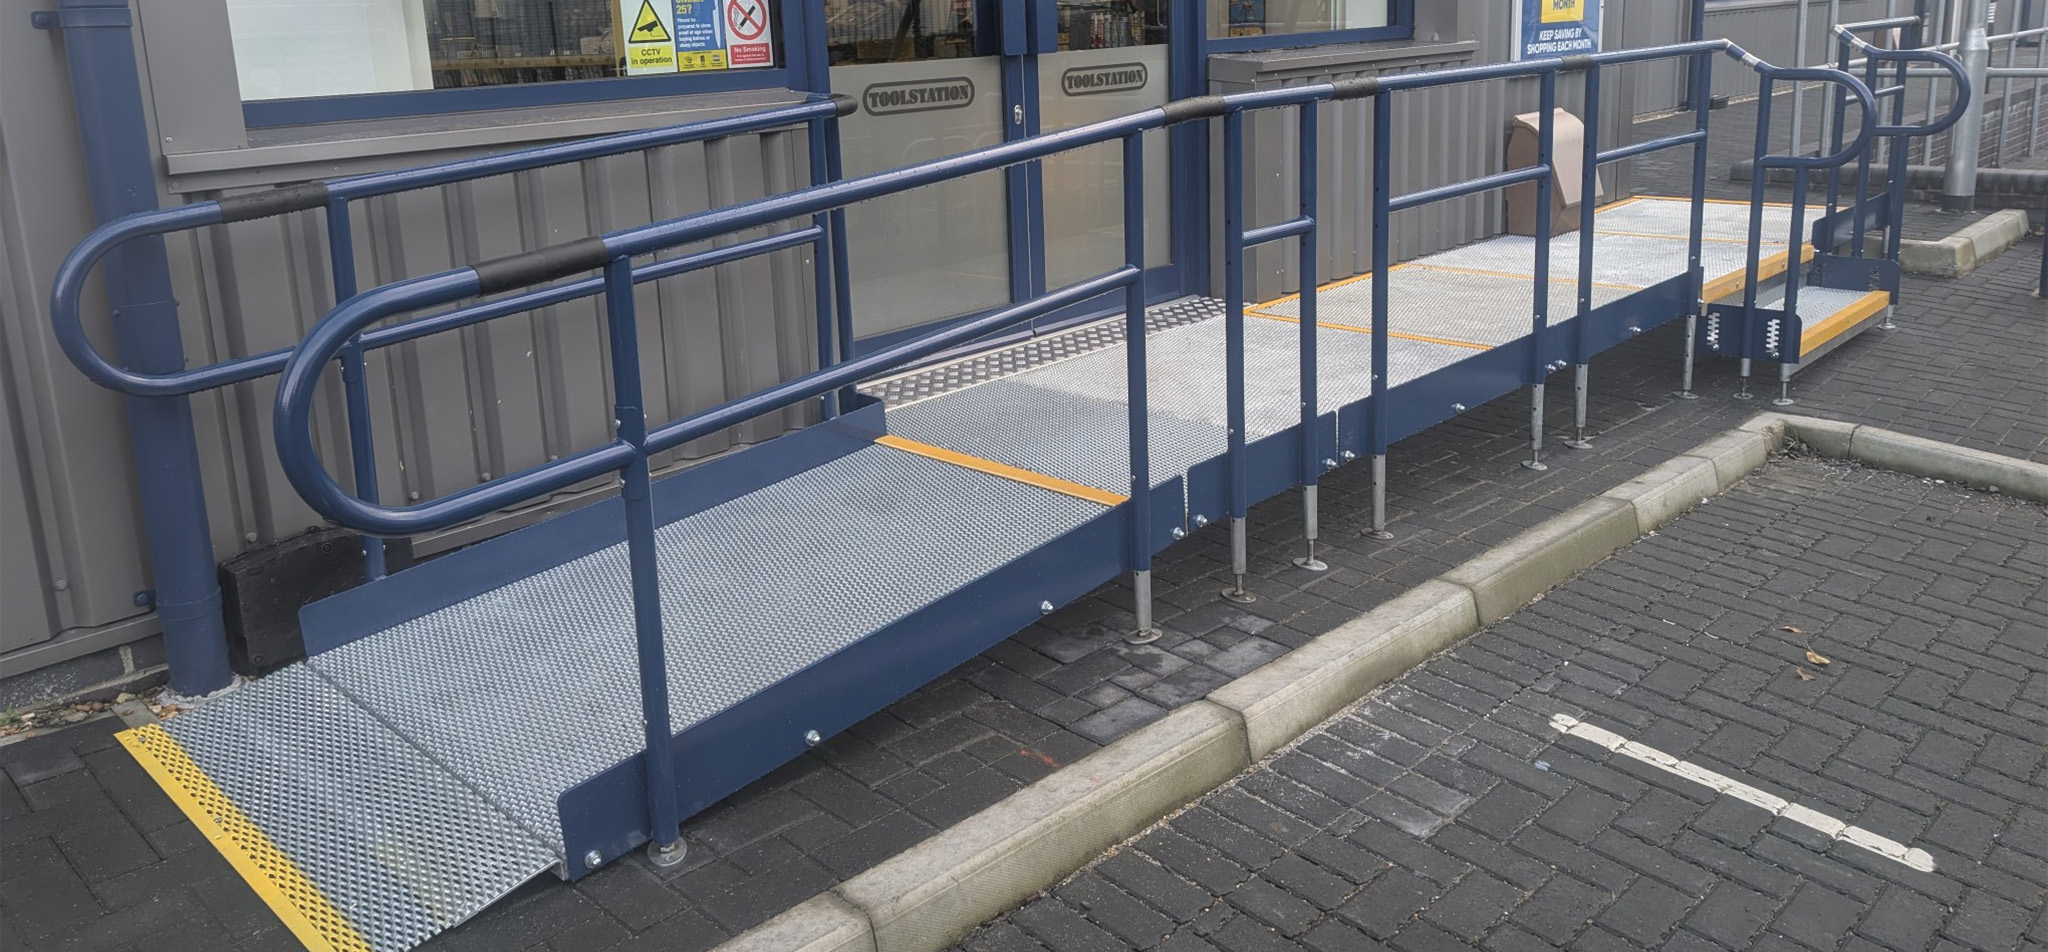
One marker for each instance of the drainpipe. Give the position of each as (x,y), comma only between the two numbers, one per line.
(1959,182)
(106,92)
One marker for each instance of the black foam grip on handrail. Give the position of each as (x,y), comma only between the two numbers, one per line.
(846,104)
(540,264)
(272,201)
(1194,107)
(1355,88)
(1576,62)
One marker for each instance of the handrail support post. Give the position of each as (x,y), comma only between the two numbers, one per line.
(636,491)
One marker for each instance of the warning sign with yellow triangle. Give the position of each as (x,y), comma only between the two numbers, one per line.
(650,46)
(648,28)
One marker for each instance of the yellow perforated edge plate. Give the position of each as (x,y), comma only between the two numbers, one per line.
(275,878)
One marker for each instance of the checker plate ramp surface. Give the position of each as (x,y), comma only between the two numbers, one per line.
(1070,419)
(398,847)
(1673,217)
(1453,305)
(413,774)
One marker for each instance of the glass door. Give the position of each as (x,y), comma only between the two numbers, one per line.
(934,78)
(929,81)
(1111,60)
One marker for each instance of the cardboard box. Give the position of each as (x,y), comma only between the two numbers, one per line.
(1568,150)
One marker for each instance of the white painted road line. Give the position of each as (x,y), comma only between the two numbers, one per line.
(1806,816)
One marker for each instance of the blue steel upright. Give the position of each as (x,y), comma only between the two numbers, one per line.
(637,493)
(1233,348)
(106,91)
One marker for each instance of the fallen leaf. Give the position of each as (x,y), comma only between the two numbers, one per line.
(1791,628)
(1804,675)
(1814,657)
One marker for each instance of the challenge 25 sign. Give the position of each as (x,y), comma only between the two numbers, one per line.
(680,36)
(1549,28)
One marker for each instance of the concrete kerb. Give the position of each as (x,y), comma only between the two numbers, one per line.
(928,897)
(1917,456)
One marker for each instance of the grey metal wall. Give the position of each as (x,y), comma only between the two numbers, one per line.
(1767,28)
(450,410)
(1444,135)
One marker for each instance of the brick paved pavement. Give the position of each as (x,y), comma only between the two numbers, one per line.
(1969,365)
(1446,812)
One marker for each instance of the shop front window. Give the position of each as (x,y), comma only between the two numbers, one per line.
(1242,18)
(289,49)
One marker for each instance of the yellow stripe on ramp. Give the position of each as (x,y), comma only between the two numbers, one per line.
(275,878)
(1004,470)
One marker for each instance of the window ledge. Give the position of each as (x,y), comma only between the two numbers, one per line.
(330,150)
(1244,68)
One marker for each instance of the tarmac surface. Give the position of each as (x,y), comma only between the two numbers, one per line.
(98,859)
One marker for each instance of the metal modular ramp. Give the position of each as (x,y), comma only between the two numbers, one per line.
(567,692)
(403,779)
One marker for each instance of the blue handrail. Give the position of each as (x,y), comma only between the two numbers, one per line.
(628,453)
(334,197)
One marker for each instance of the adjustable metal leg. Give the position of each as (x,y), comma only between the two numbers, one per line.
(666,856)
(1887,318)
(1146,633)
(1784,386)
(1236,592)
(1692,329)
(1379,499)
(1535,460)
(1742,393)
(1308,558)
(1578,440)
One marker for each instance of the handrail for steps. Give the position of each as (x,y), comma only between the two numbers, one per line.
(628,453)
(1852,269)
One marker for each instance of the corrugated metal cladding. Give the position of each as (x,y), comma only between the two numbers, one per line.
(1444,135)
(1766,28)
(449,410)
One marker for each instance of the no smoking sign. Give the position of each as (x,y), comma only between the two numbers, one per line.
(749,41)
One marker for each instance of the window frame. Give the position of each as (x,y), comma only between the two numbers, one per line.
(1400,26)
(799,22)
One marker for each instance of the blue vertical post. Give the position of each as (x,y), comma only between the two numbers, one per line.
(1870,79)
(1233,347)
(1787,352)
(842,275)
(1840,96)
(1376,436)
(1698,92)
(1539,320)
(664,826)
(1702,110)
(106,92)
(355,384)
(1752,332)
(1137,387)
(1589,187)
(1311,444)
(821,267)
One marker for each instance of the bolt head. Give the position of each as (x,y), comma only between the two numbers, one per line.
(1457,408)
(1329,464)
(812,739)
(1179,533)
(1201,521)
(593,859)
(1348,455)
(1045,608)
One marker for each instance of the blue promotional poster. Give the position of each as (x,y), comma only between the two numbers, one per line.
(1548,28)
